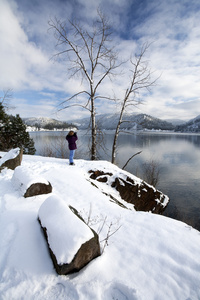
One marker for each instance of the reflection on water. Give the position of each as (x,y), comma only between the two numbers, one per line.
(178,156)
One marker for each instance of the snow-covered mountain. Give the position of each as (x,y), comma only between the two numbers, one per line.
(130,121)
(191,126)
(46,123)
(176,122)
(42,121)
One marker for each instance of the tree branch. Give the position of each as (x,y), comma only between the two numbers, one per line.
(130,159)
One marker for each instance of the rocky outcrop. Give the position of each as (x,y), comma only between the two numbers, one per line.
(30,184)
(72,244)
(11,159)
(143,196)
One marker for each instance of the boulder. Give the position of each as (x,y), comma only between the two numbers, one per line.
(143,196)
(72,244)
(30,184)
(11,159)
(133,190)
(38,188)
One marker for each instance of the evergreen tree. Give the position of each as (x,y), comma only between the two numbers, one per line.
(13,133)
(19,136)
(4,121)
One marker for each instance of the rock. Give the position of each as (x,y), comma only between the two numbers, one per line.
(72,244)
(11,159)
(38,189)
(100,175)
(143,196)
(30,184)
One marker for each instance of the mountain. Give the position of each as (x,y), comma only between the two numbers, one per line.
(109,122)
(133,121)
(191,126)
(46,123)
(175,122)
(42,121)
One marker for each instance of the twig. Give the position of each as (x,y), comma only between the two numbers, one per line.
(130,159)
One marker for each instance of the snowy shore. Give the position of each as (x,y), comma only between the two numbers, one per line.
(149,257)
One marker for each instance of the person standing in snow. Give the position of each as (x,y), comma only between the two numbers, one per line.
(72,138)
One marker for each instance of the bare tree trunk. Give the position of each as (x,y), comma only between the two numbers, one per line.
(140,80)
(114,147)
(94,131)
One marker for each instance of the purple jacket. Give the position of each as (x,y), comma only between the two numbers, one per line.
(72,141)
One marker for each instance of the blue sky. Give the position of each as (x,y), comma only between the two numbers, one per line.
(39,84)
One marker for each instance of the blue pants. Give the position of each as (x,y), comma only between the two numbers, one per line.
(71,156)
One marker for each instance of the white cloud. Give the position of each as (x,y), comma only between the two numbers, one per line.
(172,26)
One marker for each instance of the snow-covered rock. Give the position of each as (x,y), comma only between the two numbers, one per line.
(71,242)
(11,159)
(143,196)
(30,184)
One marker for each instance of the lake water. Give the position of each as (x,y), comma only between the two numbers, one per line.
(176,156)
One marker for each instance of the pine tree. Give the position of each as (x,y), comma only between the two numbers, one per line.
(13,133)
(4,121)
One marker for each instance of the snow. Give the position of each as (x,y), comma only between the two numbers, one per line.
(22,179)
(9,155)
(63,226)
(148,257)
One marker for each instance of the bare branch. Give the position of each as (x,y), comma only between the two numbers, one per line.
(5,100)
(89,54)
(75,95)
(75,105)
(130,159)
(140,80)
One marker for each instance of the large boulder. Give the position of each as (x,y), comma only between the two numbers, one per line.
(11,159)
(30,184)
(72,244)
(133,190)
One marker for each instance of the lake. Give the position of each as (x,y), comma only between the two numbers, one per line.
(175,156)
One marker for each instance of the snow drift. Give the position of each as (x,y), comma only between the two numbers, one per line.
(148,257)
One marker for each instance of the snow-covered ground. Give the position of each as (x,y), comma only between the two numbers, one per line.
(149,257)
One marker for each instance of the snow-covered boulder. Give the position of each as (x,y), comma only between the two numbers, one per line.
(72,244)
(133,190)
(11,159)
(30,184)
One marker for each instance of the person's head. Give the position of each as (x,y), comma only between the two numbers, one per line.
(71,132)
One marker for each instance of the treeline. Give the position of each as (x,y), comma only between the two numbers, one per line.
(52,126)
(64,125)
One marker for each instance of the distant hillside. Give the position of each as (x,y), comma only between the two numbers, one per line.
(133,121)
(176,122)
(46,123)
(109,122)
(190,126)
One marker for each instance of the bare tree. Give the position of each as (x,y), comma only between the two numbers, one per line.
(91,56)
(151,172)
(140,79)
(6,98)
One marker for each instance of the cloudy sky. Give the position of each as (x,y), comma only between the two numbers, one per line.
(39,84)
